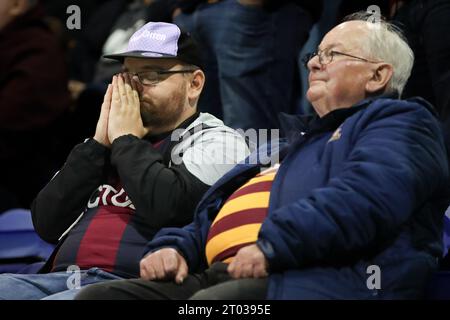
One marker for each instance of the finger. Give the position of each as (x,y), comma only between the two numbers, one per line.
(158,268)
(235,270)
(122,92)
(151,273)
(108,94)
(146,270)
(260,271)
(246,271)
(132,82)
(137,84)
(143,272)
(128,89)
(115,101)
(182,272)
(106,105)
(233,267)
(135,92)
(170,265)
(136,101)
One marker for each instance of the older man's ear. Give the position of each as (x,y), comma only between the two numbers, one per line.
(381,75)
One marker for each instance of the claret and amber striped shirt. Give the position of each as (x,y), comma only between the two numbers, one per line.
(238,222)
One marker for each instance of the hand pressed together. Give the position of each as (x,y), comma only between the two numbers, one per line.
(120,113)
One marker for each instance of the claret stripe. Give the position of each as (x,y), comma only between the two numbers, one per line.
(237,219)
(252,200)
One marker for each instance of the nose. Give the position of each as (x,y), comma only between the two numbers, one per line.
(314,64)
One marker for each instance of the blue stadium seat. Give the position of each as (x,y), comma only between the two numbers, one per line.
(446,236)
(21,249)
(439,285)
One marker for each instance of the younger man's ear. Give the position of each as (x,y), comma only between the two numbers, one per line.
(196,84)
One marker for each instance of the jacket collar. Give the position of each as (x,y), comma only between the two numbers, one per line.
(295,125)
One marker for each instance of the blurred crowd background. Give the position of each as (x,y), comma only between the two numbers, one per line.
(53,78)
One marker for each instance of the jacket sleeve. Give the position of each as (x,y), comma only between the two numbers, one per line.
(397,162)
(162,196)
(63,199)
(167,196)
(188,241)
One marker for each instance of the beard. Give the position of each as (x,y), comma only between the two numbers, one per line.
(166,113)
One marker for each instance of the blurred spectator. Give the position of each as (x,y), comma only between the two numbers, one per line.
(327,21)
(426,25)
(349,6)
(57,16)
(34,96)
(250,51)
(58,8)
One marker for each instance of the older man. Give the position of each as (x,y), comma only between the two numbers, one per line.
(353,210)
(150,161)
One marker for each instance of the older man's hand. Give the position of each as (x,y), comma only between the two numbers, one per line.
(164,264)
(249,262)
(125,114)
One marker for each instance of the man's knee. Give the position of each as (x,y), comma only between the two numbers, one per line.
(203,294)
(99,291)
(240,289)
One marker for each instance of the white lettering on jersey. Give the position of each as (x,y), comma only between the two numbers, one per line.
(107,195)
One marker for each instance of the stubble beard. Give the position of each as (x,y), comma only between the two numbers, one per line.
(157,117)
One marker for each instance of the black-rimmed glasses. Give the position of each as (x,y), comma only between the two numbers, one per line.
(149,78)
(326,57)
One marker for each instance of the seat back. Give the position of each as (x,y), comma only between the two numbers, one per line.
(20,246)
(439,286)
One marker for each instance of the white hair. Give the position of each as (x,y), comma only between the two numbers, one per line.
(386,43)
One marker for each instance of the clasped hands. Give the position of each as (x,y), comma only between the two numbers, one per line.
(120,112)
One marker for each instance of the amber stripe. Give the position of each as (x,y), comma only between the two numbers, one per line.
(231,238)
(250,200)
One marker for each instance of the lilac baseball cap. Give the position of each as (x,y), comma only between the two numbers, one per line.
(161,40)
